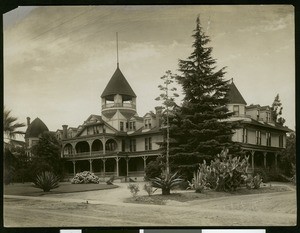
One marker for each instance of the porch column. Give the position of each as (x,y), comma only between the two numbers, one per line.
(127,166)
(90,145)
(117,163)
(91,165)
(73,149)
(265,159)
(103,142)
(103,160)
(252,159)
(145,162)
(74,167)
(276,161)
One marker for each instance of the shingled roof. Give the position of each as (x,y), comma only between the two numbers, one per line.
(234,96)
(118,85)
(36,128)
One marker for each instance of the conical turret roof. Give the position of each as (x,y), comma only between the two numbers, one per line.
(118,85)
(234,96)
(36,128)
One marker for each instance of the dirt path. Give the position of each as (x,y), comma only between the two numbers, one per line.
(106,208)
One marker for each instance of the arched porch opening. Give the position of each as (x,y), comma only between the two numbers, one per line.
(82,147)
(111,145)
(97,145)
(68,150)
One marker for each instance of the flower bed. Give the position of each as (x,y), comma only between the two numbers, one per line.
(85,177)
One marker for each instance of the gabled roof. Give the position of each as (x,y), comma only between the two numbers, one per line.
(150,131)
(118,85)
(266,125)
(36,128)
(234,96)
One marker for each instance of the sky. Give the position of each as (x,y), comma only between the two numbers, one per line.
(58,59)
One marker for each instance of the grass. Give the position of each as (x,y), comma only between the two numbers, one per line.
(158,199)
(28,189)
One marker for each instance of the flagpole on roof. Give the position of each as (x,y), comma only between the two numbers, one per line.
(117,51)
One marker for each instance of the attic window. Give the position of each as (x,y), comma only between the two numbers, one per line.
(236,110)
(147,123)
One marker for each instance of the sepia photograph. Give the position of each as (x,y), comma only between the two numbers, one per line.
(149,116)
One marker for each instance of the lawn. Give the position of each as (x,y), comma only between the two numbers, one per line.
(28,189)
(158,199)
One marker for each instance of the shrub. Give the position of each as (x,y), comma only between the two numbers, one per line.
(263,174)
(149,189)
(229,171)
(85,177)
(202,177)
(134,189)
(47,181)
(166,183)
(153,169)
(253,182)
(111,180)
(225,173)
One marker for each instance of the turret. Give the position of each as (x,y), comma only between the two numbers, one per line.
(118,97)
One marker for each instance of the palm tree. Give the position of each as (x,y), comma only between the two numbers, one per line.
(10,133)
(11,129)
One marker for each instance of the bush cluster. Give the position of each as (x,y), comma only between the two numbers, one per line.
(85,177)
(134,189)
(225,173)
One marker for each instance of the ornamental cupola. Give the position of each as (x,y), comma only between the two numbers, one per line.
(118,96)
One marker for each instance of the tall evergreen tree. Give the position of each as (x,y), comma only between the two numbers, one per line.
(47,155)
(199,129)
(277,111)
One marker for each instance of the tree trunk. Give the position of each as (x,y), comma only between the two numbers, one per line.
(165,191)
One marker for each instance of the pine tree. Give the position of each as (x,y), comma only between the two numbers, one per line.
(199,129)
(277,111)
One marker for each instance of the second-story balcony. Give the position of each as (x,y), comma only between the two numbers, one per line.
(118,105)
(90,154)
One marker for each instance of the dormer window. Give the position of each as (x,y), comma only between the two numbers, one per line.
(122,126)
(236,110)
(257,114)
(147,123)
(268,116)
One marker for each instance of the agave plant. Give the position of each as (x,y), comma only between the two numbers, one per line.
(166,183)
(47,181)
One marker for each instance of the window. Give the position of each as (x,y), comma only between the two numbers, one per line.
(122,126)
(245,136)
(268,138)
(123,145)
(104,129)
(257,114)
(258,137)
(281,140)
(235,110)
(148,143)
(268,116)
(127,125)
(133,125)
(132,145)
(147,123)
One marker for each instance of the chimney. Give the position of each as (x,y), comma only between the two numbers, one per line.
(28,121)
(65,133)
(158,114)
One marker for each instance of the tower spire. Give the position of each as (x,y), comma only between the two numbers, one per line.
(117,51)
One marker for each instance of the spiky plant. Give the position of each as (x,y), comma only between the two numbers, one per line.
(166,183)
(47,181)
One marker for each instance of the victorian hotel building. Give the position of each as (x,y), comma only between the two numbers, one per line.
(121,143)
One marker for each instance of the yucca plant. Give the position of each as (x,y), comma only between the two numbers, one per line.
(47,181)
(166,183)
